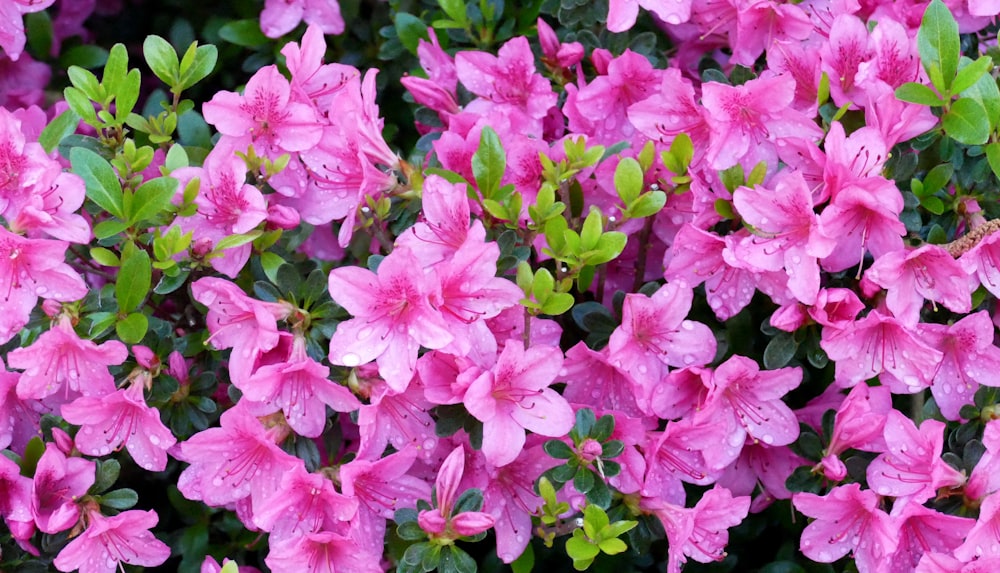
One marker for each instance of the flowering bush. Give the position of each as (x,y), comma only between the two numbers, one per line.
(709,286)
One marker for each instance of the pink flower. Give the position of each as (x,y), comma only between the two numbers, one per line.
(786,234)
(298,386)
(696,256)
(879,345)
(121,417)
(654,334)
(912,469)
(396,420)
(700,532)
(866,215)
(622,13)
(394,315)
(236,321)
(238,460)
(264,116)
(440,522)
(848,47)
(970,359)
(12,33)
(59,356)
(30,268)
(748,120)
(445,226)
(305,503)
(983,541)
(282,16)
(514,396)
(381,487)
(322,552)
(58,483)
(857,425)
(507,83)
(753,398)
(847,519)
(928,272)
(923,530)
(108,542)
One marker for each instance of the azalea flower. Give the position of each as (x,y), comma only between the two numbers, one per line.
(109,542)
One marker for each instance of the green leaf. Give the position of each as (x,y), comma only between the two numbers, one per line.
(613,546)
(985,91)
(134,277)
(87,56)
(932,204)
(470,500)
(617,528)
(115,70)
(237,240)
(103,186)
(592,229)
(64,124)
(993,156)
(410,30)
(455,9)
(628,180)
(526,562)
(579,548)
(38,30)
(594,520)
(132,328)
(106,475)
(913,92)
(937,178)
(162,59)
(971,73)
(81,106)
(938,43)
(780,350)
(32,453)
(151,198)
(120,499)
(966,122)
(244,33)
(648,205)
(109,228)
(203,64)
(558,449)
(105,257)
(558,303)
(489,163)
(584,480)
(169,284)
(609,246)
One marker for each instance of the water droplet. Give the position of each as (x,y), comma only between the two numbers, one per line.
(767,438)
(687,325)
(350,359)
(217,481)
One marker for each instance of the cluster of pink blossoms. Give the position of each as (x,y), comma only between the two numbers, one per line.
(434,326)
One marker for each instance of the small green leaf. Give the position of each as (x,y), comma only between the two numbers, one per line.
(120,499)
(115,70)
(134,277)
(105,257)
(628,180)
(937,178)
(647,205)
(455,9)
(579,548)
(103,186)
(612,546)
(993,156)
(205,58)
(558,303)
(410,30)
(244,33)
(966,122)
(151,198)
(594,520)
(558,449)
(64,124)
(971,73)
(87,56)
(779,351)
(106,475)
(489,163)
(81,105)
(109,228)
(526,562)
(237,240)
(161,58)
(920,94)
(938,43)
(132,328)
(932,204)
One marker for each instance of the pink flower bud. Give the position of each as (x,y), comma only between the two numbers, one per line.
(590,450)
(145,357)
(432,521)
(63,441)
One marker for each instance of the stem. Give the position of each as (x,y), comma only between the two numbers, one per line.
(602,274)
(526,333)
(640,263)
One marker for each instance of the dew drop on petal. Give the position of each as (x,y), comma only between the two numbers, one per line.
(350,359)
